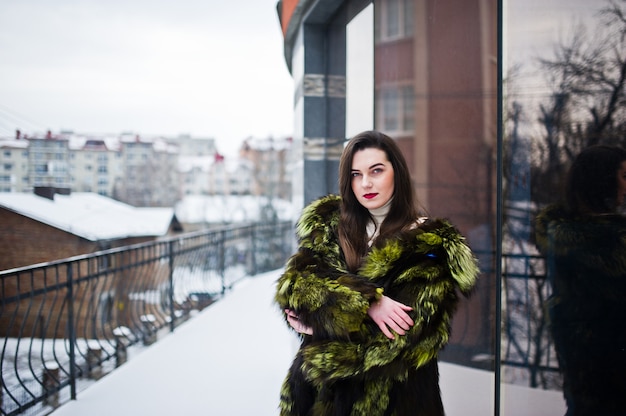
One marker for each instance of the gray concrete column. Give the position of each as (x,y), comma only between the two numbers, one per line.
(323,89)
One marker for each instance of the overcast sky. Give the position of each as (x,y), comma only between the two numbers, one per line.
(209,68)
(532,28)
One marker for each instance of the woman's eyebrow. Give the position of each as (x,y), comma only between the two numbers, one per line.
(371,167)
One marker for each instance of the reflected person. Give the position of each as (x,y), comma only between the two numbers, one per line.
(371,291)
(584,240)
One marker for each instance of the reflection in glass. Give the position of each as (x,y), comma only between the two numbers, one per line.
(583,240)
(565,72)
(435,89)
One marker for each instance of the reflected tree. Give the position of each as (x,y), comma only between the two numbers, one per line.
(586,105)
(587,102)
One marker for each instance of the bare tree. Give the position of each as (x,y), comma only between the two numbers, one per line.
(587,104)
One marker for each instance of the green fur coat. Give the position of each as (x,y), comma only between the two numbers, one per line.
(348,366)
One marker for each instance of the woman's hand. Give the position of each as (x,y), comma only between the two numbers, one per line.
(296,324)
(390,314)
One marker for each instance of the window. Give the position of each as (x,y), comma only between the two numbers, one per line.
(396,109)
(389,109)
(41,168)
(394,20)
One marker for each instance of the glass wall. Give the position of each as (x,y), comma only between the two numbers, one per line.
(491,101)
(434,89)
(435,93)
(563,91)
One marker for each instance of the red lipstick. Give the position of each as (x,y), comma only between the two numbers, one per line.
(369,196)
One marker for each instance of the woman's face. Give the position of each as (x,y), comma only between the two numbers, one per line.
(372,178)
(621,183)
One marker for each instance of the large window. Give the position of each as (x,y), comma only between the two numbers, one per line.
(563,92)
(396,109)
(395,20)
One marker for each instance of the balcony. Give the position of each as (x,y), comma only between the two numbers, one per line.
(147,307)
(231,360)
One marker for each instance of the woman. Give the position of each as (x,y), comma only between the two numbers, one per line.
(584,240)
(371,290)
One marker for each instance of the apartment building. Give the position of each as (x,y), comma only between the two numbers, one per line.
(149,174)
(48,161)
(269,159)
(14,166)
(144,171)
(95,165)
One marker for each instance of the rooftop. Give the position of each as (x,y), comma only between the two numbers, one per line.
(90,215)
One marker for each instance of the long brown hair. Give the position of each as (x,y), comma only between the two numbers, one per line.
(354,217)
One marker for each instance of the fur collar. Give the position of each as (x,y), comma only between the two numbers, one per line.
(317,230)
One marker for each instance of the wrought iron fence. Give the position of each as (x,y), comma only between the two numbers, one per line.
(68,322)
(528,355)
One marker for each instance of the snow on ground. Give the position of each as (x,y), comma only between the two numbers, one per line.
(230,360)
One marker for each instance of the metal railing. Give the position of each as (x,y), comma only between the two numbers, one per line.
(528,355)
(68,322)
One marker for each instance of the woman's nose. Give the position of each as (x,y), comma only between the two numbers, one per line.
(366,182)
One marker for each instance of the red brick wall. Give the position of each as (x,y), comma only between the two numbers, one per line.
(26,241)
(42,310)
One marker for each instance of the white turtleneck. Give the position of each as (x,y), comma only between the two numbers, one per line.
(378,216)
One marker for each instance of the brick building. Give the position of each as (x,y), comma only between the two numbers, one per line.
(57,224)
(425,73)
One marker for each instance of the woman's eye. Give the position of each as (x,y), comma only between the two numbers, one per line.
(355,174)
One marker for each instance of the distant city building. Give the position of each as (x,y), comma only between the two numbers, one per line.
(195,146)
(94,164)
(269,160)
(144,171)
(48,161)
(14,165)
(149,174)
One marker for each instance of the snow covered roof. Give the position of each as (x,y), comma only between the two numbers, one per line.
(79,142)
(90,215)
(12,143)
